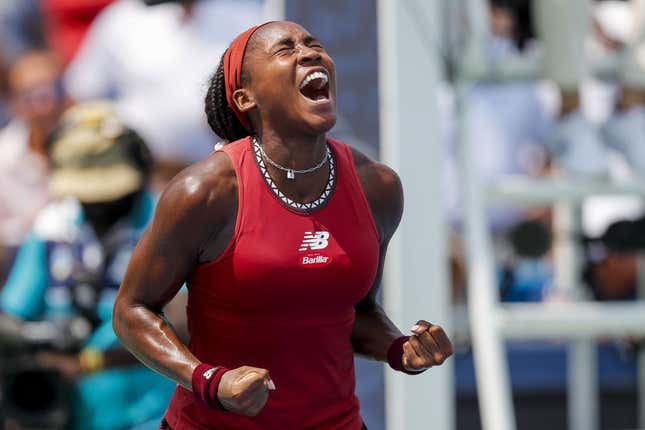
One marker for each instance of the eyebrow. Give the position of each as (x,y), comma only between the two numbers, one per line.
(285,41)
(289,41)
(310,39)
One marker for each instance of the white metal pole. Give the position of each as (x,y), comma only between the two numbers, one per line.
(493,382)
(582,378)
(583,385)
(274,10)
(416,284)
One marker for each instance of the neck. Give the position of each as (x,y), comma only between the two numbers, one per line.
(297,153)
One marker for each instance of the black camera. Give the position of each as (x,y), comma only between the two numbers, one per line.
(34,396)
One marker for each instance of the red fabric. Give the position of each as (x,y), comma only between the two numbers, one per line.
(67,21)
(233,59)
(205,382)
(395,356)
(258,305)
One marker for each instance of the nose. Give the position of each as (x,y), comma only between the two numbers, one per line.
(308,55)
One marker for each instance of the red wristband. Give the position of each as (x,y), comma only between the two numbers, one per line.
(205,382)
(395,356)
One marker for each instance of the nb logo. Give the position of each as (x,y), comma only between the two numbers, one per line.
(314,240)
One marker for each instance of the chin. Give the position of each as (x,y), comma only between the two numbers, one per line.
(321,123)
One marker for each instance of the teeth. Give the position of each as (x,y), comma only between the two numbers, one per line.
(315,75)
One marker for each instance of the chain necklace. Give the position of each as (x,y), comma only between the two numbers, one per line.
(291,173)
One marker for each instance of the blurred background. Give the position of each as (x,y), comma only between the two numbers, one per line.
(517,126)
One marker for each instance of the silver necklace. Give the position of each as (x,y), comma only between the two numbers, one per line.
(291,173)
(298,206)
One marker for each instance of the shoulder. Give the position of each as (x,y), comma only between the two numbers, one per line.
(383,190)
(206,190)
(371,173)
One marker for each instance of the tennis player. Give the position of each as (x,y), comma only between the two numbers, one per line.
(280,236)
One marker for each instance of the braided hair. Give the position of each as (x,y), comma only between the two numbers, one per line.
(221,117)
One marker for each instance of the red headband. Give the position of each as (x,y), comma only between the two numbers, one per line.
(233,58)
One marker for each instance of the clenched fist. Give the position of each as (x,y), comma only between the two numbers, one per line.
(428,346)
(245,390)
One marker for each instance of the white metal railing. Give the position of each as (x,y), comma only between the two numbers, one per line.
(580,322)
(491,323)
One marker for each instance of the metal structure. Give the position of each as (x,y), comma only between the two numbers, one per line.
(579,321)
(416,284)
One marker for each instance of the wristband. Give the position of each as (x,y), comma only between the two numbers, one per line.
(395,356)
(205,381)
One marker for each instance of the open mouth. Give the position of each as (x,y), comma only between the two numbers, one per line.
(315,86)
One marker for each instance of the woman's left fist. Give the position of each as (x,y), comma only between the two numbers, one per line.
(427,346)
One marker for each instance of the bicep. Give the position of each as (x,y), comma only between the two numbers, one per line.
(384,193)
(159,266)
(193,210)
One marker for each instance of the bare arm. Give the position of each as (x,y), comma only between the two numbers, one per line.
(373,331)
(192,223)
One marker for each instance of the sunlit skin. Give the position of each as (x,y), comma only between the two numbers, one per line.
(196,215)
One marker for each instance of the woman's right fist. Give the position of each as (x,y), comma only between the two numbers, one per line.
(245,390)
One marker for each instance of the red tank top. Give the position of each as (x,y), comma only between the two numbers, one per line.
(281,297)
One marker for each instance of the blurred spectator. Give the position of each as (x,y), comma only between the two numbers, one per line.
(612,266)
(20,31)
(66,22)
(69,269)
(36,102)
(157,69)
(20,27)
(507,125)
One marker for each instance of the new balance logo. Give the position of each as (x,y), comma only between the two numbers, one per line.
(314,241)
(209,373)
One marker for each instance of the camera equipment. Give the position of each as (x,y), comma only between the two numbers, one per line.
(37,397)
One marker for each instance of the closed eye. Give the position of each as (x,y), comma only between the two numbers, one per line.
(284,50)
(312,42)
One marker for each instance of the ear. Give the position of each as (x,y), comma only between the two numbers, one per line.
(244,100)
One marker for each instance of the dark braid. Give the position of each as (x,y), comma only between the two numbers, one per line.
(220,116)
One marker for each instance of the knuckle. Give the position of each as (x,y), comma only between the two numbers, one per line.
(245,404)
(248,413)
(439,359)
(238,393)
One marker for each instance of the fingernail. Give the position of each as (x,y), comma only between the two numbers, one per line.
(415,328)
(271,385)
